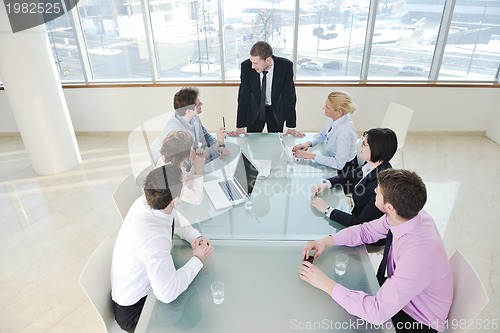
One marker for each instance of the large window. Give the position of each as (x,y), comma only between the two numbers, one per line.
(246,22)
(473,47)
(403,41)
(65,49)
(329,41)
(186,39)
(115,39)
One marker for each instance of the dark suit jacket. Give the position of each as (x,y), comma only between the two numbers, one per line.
(363,195)
(283,98)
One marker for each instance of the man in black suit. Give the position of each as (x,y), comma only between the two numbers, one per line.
(274,75)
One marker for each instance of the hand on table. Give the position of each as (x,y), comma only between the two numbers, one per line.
(304,154)
(238,132)
(315,277)
(317,189)
(301,146)
(318,245)
(319,204)
(202,248)
(295,133)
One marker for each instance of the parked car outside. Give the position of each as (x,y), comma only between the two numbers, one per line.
(334,64)
(412,70)
(303,61)
(312,65)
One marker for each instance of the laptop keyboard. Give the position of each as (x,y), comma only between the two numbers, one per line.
(230,190)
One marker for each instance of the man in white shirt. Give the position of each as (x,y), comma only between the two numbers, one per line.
(141,257)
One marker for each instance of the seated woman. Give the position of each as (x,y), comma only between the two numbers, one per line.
(177,149)
(378,147)
(338,134)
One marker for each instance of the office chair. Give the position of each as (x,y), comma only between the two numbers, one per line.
(398,118)
(469,295)
(154,149)
(95,280)
(125,194)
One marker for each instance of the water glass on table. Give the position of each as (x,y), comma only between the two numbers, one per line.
(341,264)
(218,292)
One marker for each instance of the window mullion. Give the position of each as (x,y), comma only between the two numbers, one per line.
(370,27)
(81,45)
(441,40)
(148,32)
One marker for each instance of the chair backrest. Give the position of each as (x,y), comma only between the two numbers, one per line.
(398,118)
(469,295)
(154,149)
(125,194)
(358,151)
(95,280)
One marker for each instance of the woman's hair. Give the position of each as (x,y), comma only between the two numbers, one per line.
(342,100)
(383,143)
(176,147)
(162,185)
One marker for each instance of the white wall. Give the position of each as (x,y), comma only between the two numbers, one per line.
(493,130)
(436,108)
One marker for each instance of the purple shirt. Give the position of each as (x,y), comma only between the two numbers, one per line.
(420,280)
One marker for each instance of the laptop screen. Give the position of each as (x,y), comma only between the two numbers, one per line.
(246,174)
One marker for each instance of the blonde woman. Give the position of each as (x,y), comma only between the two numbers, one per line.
(338,135)
(177,149)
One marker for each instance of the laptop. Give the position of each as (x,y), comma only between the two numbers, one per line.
(288,151)
(235,188)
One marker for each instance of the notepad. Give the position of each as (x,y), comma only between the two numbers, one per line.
(264,167)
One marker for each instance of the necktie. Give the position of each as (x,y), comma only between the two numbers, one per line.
(262,109)
(173,222)
(383,264)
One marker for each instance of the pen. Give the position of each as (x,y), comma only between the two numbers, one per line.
(223,122)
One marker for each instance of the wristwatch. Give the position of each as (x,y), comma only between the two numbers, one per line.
(326,210)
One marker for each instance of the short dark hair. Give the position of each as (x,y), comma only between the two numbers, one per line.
(261,49)
(404,190)
(185,97)
(176,147)
(162,185)
(383,144)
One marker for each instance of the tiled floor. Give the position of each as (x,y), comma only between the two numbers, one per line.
(50,225)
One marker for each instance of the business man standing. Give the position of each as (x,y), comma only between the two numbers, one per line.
(267,93)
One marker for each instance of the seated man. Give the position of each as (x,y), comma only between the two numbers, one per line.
(141,257)
(188,106)
(418,290)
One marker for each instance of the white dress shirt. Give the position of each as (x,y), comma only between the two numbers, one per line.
(340,138)
(269,83)
(142,259)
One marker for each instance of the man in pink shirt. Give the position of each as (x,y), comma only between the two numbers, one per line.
(418,291)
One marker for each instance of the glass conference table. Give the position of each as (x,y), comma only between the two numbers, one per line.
(258,252)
